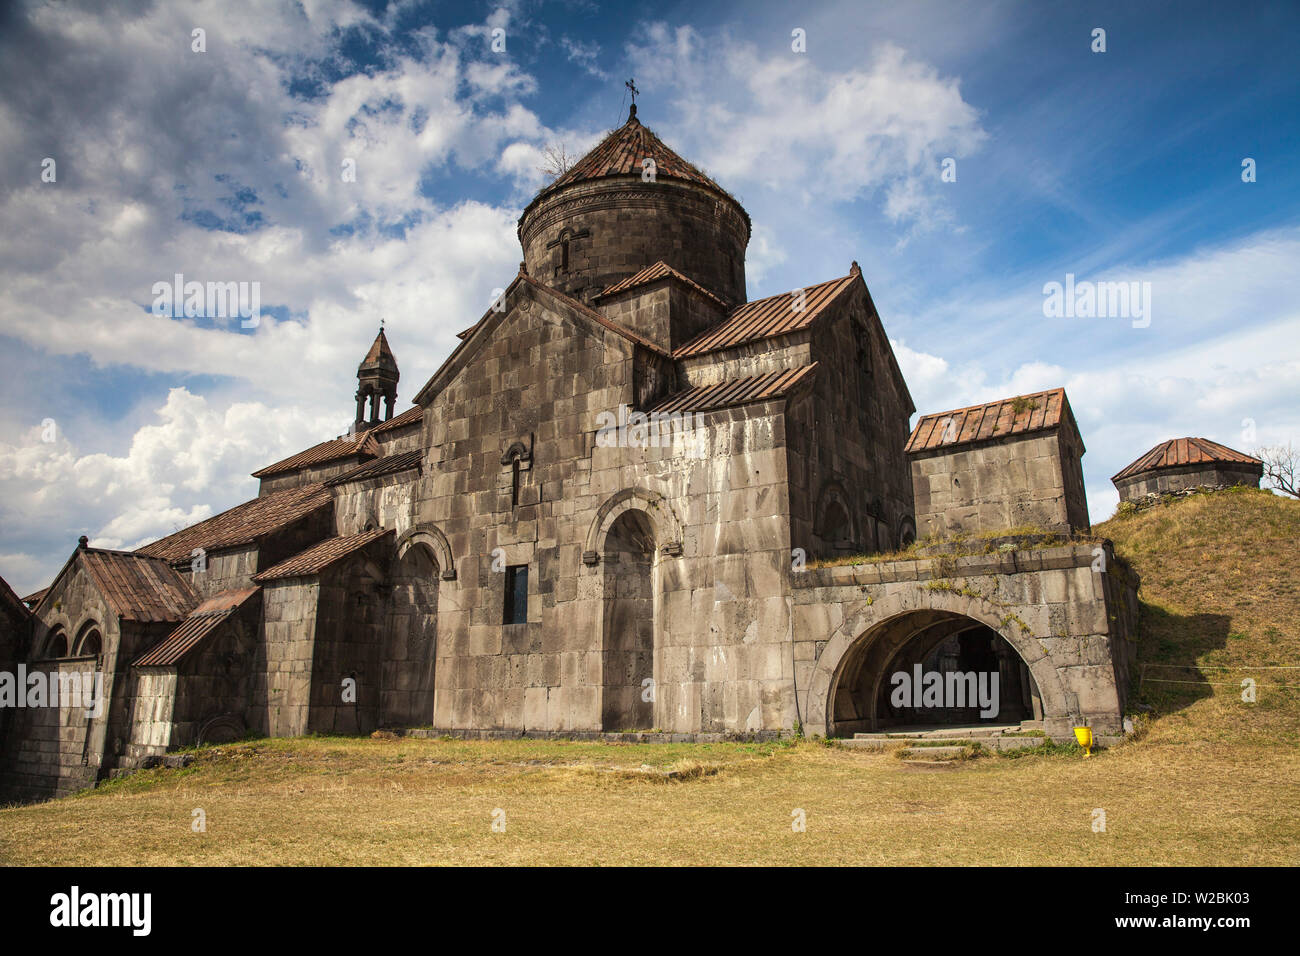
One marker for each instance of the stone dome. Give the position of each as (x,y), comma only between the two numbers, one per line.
(627,204)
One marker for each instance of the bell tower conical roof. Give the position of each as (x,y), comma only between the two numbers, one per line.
(377,377)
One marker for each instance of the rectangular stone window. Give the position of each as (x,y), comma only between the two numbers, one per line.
(516,604)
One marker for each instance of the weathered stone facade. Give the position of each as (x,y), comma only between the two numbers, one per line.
(1008,464)
(603,515)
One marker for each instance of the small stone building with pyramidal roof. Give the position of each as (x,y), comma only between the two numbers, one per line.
(1183,466)
(623,505)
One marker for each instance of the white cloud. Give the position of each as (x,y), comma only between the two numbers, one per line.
(775,119)
(181,468)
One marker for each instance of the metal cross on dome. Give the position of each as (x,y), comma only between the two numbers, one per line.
(631,85)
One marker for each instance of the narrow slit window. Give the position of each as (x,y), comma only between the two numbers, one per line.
(516,605)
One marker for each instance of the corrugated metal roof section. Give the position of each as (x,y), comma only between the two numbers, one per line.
(621,153)
(736,391)
(139,588)
(388,465)
(201,622)
(765,318)
(320,556)
(1186,451)
(1006,416)
(242,524)
(660,270)
(362,443)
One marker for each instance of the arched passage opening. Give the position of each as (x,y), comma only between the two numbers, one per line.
(410,640)
(628,626)
(928,669)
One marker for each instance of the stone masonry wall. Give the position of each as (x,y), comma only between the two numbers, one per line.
(1187,477)
(848,439)
(630,225)
(1071,618)
(995,485)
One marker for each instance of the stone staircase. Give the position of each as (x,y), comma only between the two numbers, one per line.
(941,744)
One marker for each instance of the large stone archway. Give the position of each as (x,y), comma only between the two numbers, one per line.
(871,635)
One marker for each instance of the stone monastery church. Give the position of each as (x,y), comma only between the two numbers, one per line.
(623,504)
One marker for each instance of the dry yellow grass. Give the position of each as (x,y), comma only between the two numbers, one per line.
(1211,781)
(349,802)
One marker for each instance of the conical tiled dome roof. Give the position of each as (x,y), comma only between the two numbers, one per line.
(623,152)
(1185,451)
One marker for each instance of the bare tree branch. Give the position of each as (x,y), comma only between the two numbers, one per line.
(558,161)
(1282,468)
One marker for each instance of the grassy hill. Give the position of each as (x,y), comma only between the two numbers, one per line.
(1220,603)
(1210,780)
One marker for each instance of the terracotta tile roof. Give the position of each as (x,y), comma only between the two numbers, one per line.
(12,603)
(388,465)
(138,588)
(243,524)
(380,355)
(766,318)
(320,556)
(1186,451)
(621,154)
(660,270)
(736,391)
(348,446)
(198,624)
(412,416)
(1007,416)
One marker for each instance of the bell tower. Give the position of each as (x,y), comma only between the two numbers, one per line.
(377,381)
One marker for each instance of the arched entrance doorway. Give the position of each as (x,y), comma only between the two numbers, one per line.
(410,640)
(930,669)
(628,626)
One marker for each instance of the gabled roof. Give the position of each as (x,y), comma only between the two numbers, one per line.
(1006,416)
(473,339)
(198,624)
(622,153)
(136,587)
(243,524)
(336,449)
(320,556)
(33,599)
(388,465)
(1186,451)
(737,391)
(660,270)
(770,317)
(12,604)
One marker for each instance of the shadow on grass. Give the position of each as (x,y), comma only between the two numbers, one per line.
(1168,677)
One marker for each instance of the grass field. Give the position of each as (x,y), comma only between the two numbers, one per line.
(1209,780)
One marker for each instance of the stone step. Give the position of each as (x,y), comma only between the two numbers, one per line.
(880,742)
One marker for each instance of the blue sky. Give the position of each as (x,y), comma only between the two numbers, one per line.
(1122,165)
